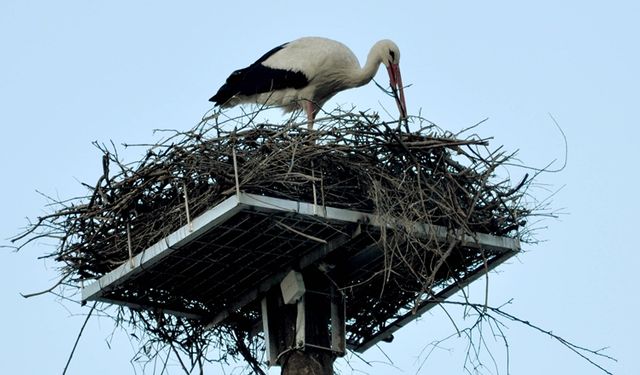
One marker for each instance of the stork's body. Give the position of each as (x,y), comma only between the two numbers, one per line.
(307,72)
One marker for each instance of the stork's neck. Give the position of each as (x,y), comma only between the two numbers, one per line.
(369,70)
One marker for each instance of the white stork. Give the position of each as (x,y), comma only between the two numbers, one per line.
(307,72)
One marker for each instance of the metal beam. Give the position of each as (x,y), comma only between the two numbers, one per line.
(431,302)
(338,324)
(477,240)
(138,306)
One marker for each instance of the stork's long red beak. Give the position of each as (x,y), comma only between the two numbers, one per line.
(395,80)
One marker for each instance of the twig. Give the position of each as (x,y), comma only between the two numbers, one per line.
(75,344)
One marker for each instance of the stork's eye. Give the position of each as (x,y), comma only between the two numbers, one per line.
(392,54)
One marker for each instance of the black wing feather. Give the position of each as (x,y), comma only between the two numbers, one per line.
(257,79)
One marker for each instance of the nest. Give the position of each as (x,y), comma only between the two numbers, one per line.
(350,160)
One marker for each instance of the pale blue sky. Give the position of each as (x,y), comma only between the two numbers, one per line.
(74,71)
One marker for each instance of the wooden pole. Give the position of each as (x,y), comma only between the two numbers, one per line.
(298,333)
(316,357)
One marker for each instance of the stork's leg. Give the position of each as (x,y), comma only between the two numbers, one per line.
(310,109)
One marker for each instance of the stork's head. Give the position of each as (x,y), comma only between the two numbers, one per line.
(389,53)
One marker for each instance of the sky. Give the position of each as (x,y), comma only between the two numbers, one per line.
(73,72)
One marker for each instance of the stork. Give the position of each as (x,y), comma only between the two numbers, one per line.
(306,73)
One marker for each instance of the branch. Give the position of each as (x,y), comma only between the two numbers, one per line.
(73,350)
(581,351)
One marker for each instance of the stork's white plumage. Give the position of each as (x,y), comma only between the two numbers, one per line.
(307,72)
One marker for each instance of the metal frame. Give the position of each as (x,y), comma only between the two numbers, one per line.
(424,306)
(350,225)
(161,249)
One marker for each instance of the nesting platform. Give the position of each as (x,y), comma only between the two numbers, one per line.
(224,261)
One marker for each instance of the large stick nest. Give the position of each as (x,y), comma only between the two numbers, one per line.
(354,160)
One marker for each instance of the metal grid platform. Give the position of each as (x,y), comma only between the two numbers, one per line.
(229,256)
